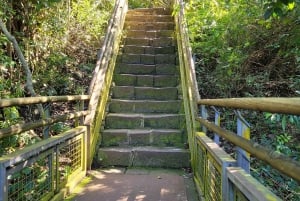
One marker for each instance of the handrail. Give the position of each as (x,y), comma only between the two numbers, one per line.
(40,99)
(100,84)
(111,40)
(19,128)
(291,167)
(187,51)
(273,105)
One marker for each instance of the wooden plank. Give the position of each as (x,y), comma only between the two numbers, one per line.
(249,186)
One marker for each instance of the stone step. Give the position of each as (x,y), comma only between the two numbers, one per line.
(144,106)
(150,34)
(142,137)
(147,59)
(150,11)
(146,80)
(163,157)
(135,49)
(140,121)
(141,69)
(144,93)
(152,42)
(149,25)
(142,17)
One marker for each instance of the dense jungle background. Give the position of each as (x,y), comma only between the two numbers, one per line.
(241,49)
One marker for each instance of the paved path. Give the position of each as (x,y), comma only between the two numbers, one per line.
(138,185)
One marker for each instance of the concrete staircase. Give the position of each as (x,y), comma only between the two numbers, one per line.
(145,125)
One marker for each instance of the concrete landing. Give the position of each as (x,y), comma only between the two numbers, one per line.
(138,185)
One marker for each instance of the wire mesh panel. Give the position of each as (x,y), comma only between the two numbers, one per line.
(69,158)
(201,161)
(31,182)
(213,184)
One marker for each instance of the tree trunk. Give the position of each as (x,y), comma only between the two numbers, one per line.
(29,85)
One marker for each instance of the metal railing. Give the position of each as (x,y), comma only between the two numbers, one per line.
(51,167)
(218,176)
(103,73)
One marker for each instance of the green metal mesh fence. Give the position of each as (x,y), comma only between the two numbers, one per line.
(70,158)
(213,184)
(31,182)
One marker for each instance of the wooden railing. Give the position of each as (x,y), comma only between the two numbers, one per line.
(217,175)
(51,167)
(103,73)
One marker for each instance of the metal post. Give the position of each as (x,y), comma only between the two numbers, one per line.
(243,130)
(217,122)
(3,183)
(204,115)
(47,128)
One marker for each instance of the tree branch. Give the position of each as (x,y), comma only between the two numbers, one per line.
(25,66)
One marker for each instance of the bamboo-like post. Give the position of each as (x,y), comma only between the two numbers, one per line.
(40,99)
(273,105)
(278,161)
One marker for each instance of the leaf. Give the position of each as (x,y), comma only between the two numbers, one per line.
(283,123)
(291,6)
(268,115)
(278,11)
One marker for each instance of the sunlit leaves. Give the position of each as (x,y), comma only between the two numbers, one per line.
(278,8)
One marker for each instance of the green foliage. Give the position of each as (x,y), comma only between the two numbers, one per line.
(278,8)
(280,133)
(59,128)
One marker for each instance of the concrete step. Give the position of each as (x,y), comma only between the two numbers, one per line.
(164,157)
(152,42)
(136,49)
(150,11)
(146,80)
(131,25)
(140,121)
(147,59)
(142,137)
(142,17)
(144,93)
(141,69)
(144,106)
(150,34)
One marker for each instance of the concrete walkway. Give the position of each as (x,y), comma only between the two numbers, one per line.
(138,185)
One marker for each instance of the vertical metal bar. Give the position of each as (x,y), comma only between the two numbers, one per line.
(243,130)
(3,183)
(217,122)
(81,108)
(204,115)
(57,173)
(52,169)
(77,109)
(46,128)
